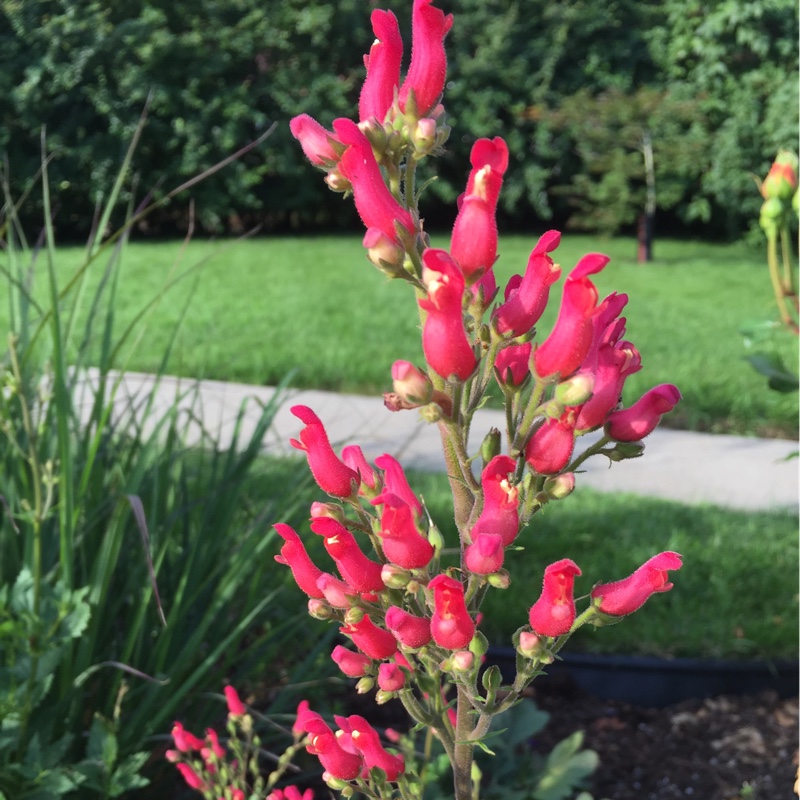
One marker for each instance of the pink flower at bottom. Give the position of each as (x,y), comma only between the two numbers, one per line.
(636,422)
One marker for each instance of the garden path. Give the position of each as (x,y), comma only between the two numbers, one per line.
(686,466)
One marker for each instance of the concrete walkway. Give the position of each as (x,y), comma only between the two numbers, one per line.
(732,471)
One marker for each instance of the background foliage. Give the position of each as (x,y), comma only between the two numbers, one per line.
(220,72)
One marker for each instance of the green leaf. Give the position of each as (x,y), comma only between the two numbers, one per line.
(522,721)
(771,366)
(565,768)
(102,743)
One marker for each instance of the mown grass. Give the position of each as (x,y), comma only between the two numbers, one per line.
(736,596)
(263,307)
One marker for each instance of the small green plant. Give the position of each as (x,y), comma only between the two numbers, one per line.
(129,561)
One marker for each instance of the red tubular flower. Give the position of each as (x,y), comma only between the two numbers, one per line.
(293,554)
(395,481)
(213,743)
(366,739)
(336,761)
(374,202)
(638,421)
(526,297)
(357,570)
(511,366)
(354,457)
(550,448)
(370,639)
(290,793)
(409,630)
(184,740)
(625,596)
(428,68)
(304,714)
(554,612)
(485,554)
(191,777)
(614,364)
(444,339)
(390,677)
(568,343)
(330,472)
(383,67)
(451,625)
(319,144)
(236,708)
(403,544)
(606,328)
(354,665)
(500,512)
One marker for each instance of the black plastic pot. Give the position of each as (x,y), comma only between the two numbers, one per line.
(658,682)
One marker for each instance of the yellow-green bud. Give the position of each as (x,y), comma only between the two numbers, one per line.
(491,445)
(575,391)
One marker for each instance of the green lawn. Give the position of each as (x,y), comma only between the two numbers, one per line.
(266,306)
(736,596)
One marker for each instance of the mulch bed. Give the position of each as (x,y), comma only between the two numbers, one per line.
(723,748)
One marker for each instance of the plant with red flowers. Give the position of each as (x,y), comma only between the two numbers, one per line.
(409,608)
(231,770)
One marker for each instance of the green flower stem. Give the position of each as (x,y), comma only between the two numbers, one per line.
(464,748)
(774,274)
(789,275)
(520,439)
(588,453)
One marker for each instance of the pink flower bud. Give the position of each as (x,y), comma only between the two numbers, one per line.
(571,338)
(451,625)
(485,554)
(370,639)
(412,384)
(409,630)
(185,741)
(444,338)
(374,202)
(554,612)
(500,514)
(294,555)
(319,145)
(382,250)
(526,297)
(529,644)
(511,366)
(366,739)
(383,67)
(390,677)
(638,421)
(428,68)
(287,793)
(193,780)
(357,570)
(236,707)
(550,448)
(626,596)
(781,182)
(354,665)
(335,591)
(332,474)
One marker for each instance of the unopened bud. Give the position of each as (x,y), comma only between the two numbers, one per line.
(375,133)
(411,383)
(431,412)
(395,577)
(462,661)
(500,580)
(337,784)
(625,450)
(337,182)
(491,445)
(382,697)
(424,136)
(435,538)
(332,510)
(365,685)
(559,486)
(319,609)
(492,678)
(530,645)
(382,251)
(578,389)
(552,409)
(353,616)
(479,644)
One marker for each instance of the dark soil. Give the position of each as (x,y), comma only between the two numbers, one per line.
(725,748)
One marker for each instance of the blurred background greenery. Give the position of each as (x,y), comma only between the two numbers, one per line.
(574,88)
